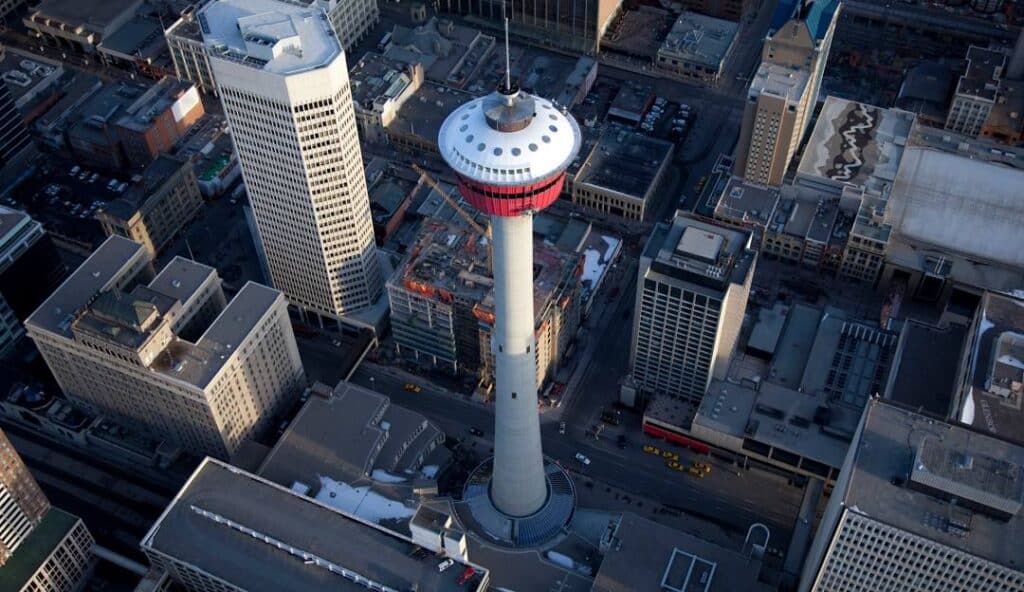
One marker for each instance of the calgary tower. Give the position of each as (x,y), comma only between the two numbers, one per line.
(509,151)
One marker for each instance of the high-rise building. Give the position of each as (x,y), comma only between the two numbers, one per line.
(30,269)
(509,151)
(42,549)
(351,19)
(284,85)
(16,147)
(22,503)
(784,91)
(692,288)
(170,357)
(921,505)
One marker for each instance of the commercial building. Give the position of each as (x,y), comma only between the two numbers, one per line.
(156,208)
(169,357)
(30,269)
(620,176)
(576,25)
(284,84)
(976,91)
(926,92)
(731,10)
(697,47)
(22,503)
(270,537)
(692,288)
(989,388)
(452,55)
(954,210)
(351,21)
(16,147)
(784,91)
(380,86)
(391,186)
(127,124)
(921,501)
(57,556)
(79,26)
(359,435)
(442,302)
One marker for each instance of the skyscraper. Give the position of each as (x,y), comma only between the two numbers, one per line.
(921,505)
(22,503)
(284,84)
(692,288)
(171,357)
(784,91)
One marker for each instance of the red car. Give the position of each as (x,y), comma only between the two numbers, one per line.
(466,574)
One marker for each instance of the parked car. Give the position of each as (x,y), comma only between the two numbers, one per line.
(441,567)
(413,388)
(561,427)
(582,458)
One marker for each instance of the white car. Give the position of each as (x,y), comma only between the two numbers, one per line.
(445,564)
(583,459)
(561,427)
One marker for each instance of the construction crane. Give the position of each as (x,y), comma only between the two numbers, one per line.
(484,232)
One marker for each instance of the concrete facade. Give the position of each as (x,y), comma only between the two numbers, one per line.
(22,503)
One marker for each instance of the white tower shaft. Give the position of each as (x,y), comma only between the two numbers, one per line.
(518,485)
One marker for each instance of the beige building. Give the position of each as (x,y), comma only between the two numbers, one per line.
(351,20)
(169,357)
(155,209)
(783,93)
(22,503)
(692,287)
(57,557)
(977,91)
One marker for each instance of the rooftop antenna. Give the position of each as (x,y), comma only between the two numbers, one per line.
(508,59)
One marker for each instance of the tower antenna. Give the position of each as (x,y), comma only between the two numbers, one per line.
(508,59)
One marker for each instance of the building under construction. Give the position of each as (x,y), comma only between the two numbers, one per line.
(442,301)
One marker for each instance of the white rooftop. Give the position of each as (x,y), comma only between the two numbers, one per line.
(778,80)
(700,243)
(475,149)
(961,204)
(270,35)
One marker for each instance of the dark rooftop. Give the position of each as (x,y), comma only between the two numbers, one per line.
(267,537)
(43,539)
(95,14)
(626,162)
(925,365)
(984,69)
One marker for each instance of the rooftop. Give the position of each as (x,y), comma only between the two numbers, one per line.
(95,15)
(631,100)
(926,90)
(700,39)
(960,195)
(817,14)
(153,177)
(780,81)
(157,99)
(29,77)
(377,79)
(141,37)
(347,436)
(924,368)
(29,556)
(908,467)
(984,69)
(855,144)
(268,537)
(270,35)
(994,389)
(451,54)
(626,162)
(104,108)
(647,555)
(423,114)
(700,253)
(746,203)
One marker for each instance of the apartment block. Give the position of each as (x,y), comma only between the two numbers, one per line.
(284,84)
(351,20)
(155,209)
(170,357)
(920,503)
(692,287)
(976,91)
(784,91)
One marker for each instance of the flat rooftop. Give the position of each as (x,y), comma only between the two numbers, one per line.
(153,176)
(981,78)
(268,537)
(28,76)
(141,37)
(960,195)
(270,35)
(780,81)
(345,436)
(925,366)
(888,452)
(29,556)
(377,79)
(625,162)
(855,144)
(700,253)
(747,203)
(95,15)
(994,396)
(700,39)
(423,113)
(647,555)
(158,98)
